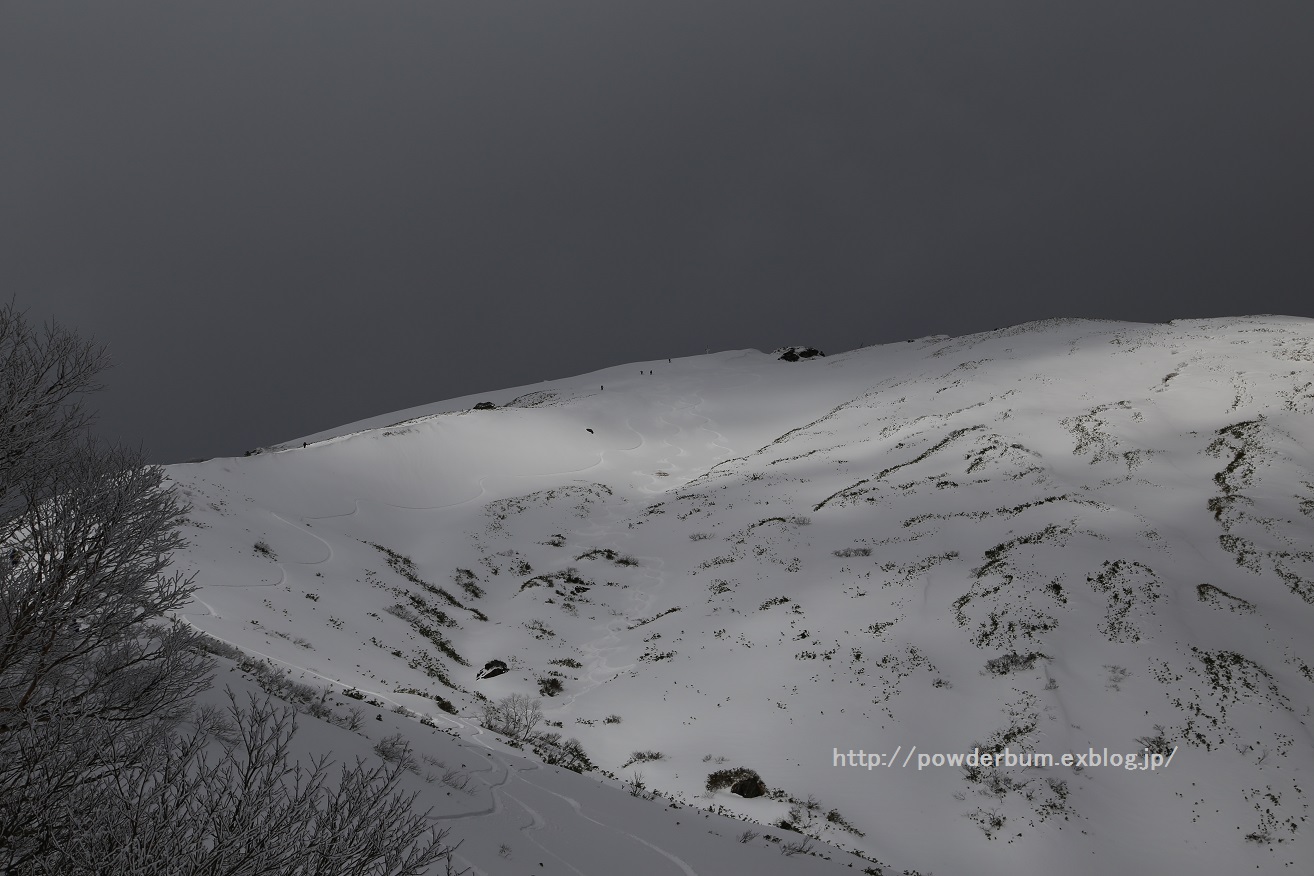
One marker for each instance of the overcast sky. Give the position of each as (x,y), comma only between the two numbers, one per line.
(283,216)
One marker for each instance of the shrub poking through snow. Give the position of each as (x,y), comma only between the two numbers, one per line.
(567,755)
(514,716)
(853,552)
(396,750)
(1012,662)
(568,662)
(740,780)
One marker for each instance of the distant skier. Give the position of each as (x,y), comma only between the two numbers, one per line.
(304,445)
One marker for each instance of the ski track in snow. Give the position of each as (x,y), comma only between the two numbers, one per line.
(304,529)
(352,513)
(497,787)
(208,607)
(537,823)
(574,805)
(598,671)
(282,577)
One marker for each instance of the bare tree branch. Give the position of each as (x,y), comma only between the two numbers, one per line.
(97,771)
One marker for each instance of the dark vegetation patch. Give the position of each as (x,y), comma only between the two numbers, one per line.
(1013,662)
(720,779)
(405,567)
(853,552)
(468,581)
(552,579)
(794,354)
(608,554)
(1220,598)
(648,620)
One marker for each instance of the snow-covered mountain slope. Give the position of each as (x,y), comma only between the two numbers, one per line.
(1060,538)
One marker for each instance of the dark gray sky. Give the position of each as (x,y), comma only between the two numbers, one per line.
(286,216)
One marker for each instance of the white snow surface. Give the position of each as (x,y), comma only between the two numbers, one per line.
(814,556)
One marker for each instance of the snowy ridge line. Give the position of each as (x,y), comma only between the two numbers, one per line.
(1051,539)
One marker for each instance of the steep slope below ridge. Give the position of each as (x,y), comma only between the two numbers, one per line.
(1054,537)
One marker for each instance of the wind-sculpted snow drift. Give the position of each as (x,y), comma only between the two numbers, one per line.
(1064,537)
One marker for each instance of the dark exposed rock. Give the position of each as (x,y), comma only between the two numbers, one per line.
(749,786)
(793,354)
(491,668)
(485,406)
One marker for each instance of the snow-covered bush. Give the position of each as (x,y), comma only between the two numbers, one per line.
(569,754)
(727,778)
